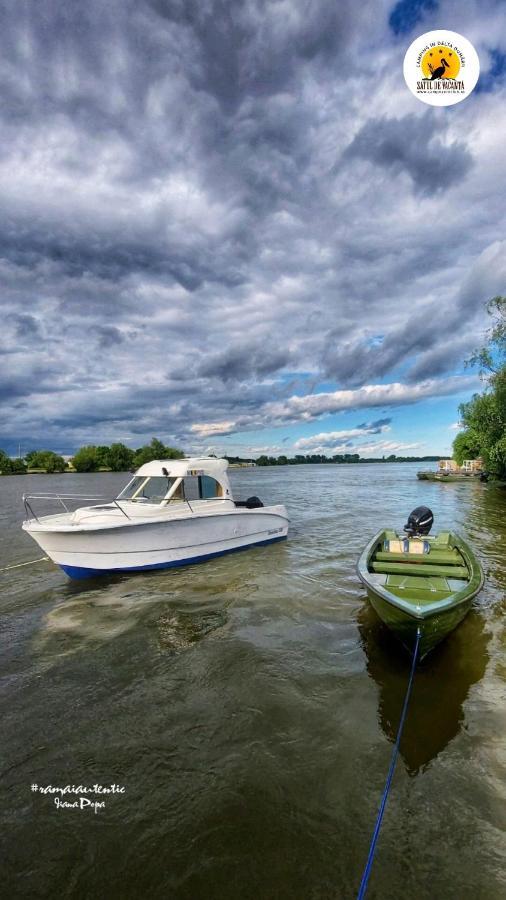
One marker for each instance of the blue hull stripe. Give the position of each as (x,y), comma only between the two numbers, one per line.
(80,572)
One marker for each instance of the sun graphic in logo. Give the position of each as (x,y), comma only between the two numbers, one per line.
(440,62)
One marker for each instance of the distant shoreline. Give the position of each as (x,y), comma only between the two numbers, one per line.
(275,465)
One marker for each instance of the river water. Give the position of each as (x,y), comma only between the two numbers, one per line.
(248,707)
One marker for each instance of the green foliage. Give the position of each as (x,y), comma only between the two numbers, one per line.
(338,458)
(484,417)
(155,450)
(102,454)
(91,458)
(120,458)
(18,466)
(10,466)
(490,356)
(45,459)
(116,457)
(466,446)
(5,464)
(86,459)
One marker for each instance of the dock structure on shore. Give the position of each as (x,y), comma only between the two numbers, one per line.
(449,470)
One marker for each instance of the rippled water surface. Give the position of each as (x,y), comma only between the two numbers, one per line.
(248,706)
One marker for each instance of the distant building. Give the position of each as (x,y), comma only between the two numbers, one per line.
(469,466)
(473,465)
(448,465)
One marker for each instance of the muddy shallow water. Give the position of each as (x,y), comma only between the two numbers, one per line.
(248,707)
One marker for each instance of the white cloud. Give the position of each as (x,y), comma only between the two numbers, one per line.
(203,224)
(330,438)
(369,396)
(213,428)
(378,448)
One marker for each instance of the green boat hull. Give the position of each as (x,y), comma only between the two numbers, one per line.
(429,592)
(438,476)
(432,630)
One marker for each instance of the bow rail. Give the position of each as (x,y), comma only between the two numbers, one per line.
(61,498)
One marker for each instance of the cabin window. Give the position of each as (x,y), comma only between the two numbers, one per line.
(201,487)
(191,487)
(153,489)
(209,487)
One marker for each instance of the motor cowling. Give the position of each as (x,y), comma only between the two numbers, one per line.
(250,503)
(253,503)
(420,521)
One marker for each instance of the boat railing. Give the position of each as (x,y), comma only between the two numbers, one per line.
(61,498)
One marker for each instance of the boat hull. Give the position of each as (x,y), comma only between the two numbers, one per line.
(405,627)
(428,593)
(159,545)
(437,476)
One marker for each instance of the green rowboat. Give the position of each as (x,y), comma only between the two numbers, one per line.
(420,582)
(441,476)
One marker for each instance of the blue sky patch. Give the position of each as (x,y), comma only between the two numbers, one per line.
(407,13)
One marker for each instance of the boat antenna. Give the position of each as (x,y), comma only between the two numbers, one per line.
(370,859)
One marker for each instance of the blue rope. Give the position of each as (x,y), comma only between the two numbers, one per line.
(395,753)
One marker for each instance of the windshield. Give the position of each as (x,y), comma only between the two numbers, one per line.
(152,489)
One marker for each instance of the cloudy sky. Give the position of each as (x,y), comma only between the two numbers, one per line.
(229,224)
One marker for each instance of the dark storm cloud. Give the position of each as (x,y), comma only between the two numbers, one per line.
(351,364)
(78,249)
(448,355)
(252,49)
(244,361)
(26,326)
(109,336)
(190,233)
(415,145)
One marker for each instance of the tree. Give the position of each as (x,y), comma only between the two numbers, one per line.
(18,466)
(86,459)
(484,417)
(466,446)
(5,464)
(45,459)
(489,357)
(103,456)
(155,450)
(121,458)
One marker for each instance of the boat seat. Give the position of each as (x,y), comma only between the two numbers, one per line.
(441,557)
(406,545)
(419,568)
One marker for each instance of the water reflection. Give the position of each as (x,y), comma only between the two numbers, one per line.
(89,613)
(178,631)
(485,524)
(442,684)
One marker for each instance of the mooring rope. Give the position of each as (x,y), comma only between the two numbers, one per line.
(29,563)
(393,761)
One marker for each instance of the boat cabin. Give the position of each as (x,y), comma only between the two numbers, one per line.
(165,481)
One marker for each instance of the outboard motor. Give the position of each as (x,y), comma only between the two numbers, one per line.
(250,503)
(253,503)
(420,521)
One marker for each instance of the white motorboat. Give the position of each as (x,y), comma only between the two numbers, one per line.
(171,513)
